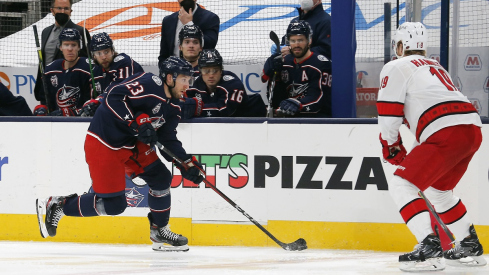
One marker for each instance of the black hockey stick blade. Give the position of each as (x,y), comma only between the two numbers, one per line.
(274,38)
(298,245)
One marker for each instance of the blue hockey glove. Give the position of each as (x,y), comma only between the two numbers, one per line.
(273,64)
(290,106)
(56,113)
(191,107)
(90,107)
(40,110)
(194,173)
(146,133)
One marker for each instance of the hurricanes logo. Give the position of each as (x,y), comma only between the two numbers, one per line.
(130,22)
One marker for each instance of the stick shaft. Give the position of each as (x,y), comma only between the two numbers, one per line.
(438,219)
(94,93)
(41,68)
(226,198)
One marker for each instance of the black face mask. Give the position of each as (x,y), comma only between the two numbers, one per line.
(61,18)
(188,4)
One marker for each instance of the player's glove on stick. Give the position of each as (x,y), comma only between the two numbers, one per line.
(40,110)
(90,107)
(394,153)
(194,173)
(146,132)
(290,106)
(273,64)
(192,107)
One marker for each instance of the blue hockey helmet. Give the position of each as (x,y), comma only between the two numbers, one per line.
(174,66)
(101,41)
(299,27)
(70,34)
(209,58)
(191,31)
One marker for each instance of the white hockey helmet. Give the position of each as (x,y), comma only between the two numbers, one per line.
(413,36)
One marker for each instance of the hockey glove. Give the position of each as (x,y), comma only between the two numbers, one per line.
(90,107)
(290,106)
(273,64)
(194,172)
(56,113)
(146,133)
(192,107)
(40,110)
(394,153)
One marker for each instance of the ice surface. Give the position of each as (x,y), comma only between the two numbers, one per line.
(70,258)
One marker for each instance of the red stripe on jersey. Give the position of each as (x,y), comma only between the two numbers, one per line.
(453,214)
(412,209)
(390,108)
(441,110)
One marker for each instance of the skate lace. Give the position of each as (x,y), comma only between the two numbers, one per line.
(168,234)
(58,213)
(460,250)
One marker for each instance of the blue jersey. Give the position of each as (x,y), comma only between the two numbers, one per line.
(309,82)
(122,67)
(229,98)
(70,88)
(140,93)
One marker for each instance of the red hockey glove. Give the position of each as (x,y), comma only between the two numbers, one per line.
(146,132)
(90,107)
(194,172)
(394,153)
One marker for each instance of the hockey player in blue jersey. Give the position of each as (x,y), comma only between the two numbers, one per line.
(67,79)
(219,93)
(111,67)
(191,43)
(304,78)
(135,114)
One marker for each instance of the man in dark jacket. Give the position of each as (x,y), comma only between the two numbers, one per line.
(312,12)
(190,13)
(61,10)
(11,105)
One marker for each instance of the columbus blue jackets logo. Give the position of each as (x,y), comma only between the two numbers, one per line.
(54,81)
(68,96)
(297,90)
(133,197)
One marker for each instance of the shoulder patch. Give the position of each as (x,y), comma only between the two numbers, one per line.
(227,77)
(322,58)
(118,58)
(157,80)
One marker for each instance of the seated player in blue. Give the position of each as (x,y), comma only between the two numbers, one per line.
(303,84)
(136,113)
(111,67)
(219,93)
(67,79)
(191,43)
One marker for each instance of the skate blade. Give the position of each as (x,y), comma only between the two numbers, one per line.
(40,208)
(468,261)
(432,264)
(169,248)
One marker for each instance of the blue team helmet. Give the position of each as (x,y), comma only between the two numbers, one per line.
(209,58)
(70,34)
(299,27)
(101,41)
(174,66)
(191,31)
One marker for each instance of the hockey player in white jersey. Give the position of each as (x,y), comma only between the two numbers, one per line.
(418,92)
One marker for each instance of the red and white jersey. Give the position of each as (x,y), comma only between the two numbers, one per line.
(419,92)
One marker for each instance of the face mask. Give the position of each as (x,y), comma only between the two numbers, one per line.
(306,4)
(188,4)
(61,18)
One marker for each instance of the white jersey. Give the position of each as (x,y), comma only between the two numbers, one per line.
(419,92)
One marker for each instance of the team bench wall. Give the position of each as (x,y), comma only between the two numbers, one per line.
(320,179)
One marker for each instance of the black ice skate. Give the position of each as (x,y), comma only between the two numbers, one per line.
(164,239)
(427,256)
(53,208)
(467,252)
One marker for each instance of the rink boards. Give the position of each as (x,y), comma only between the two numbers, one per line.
(319,179)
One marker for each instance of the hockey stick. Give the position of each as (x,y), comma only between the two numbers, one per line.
(298,245)
(274,38)
(438,219)
(41,68)
(94,94)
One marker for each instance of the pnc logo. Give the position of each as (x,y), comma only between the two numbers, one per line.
(5,80)
(130,22)
(473,62)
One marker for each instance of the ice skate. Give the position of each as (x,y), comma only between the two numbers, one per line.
(164,239)
(467,252)
(52,207)
(427,256)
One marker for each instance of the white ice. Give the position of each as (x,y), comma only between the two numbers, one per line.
(70,258)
